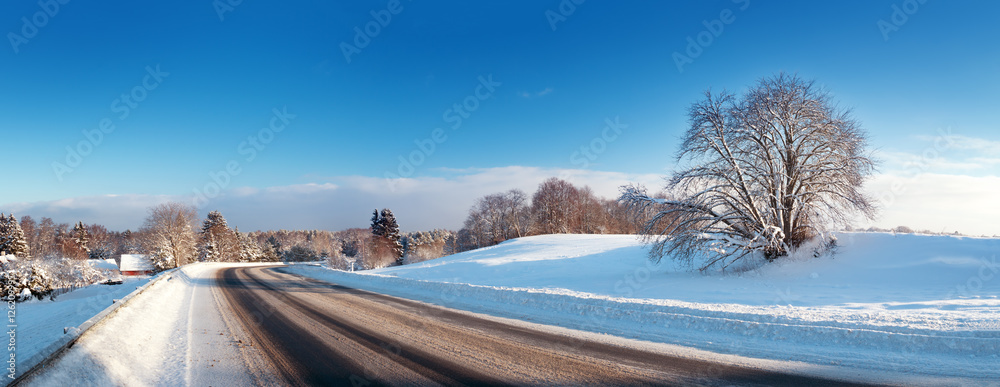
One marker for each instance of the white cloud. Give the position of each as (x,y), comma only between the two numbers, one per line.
(945,153)
(547,90)
(419,203)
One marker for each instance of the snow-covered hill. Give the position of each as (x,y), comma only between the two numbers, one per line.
(924,305)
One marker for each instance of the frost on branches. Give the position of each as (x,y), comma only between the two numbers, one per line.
(759,175)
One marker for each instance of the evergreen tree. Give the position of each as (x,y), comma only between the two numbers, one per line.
(250,251)
(208,251)
(40,281)
(272,249)
(218,242)
(390,230)
(6,236)
(12,239)
(377,228)
(81,239)
(163,258)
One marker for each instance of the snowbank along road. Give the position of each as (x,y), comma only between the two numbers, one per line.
(225,325)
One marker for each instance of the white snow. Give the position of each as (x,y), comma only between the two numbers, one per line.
(41,323)
(104,264)
(135,262)
(884,304)
(171,334)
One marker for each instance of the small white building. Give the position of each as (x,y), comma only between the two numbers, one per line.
(135,264)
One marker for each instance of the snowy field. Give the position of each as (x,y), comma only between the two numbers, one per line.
(885,307)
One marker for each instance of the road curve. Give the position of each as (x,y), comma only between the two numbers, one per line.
(316,333)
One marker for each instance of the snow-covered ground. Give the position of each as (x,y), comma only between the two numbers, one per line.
(172,334)
(925,306)
(41,323)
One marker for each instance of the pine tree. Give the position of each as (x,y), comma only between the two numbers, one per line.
(162,258)
(272,249)
(250,251)
(6,236)
(377,225)
(218,242)
(40,281)
(81,239)
(19,243)
(12,239)
(208,251)
(391,232)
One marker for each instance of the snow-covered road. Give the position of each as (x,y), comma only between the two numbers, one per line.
(887,309)
(213,324)
(172,334)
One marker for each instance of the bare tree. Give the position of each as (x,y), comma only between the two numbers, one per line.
(766,173)
(554,205)
(590,217)
(45,244)
(101,244)
(517,215)
(168,234)
(497,217)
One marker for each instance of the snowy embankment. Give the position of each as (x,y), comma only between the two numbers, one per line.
(41,326)
(908,304)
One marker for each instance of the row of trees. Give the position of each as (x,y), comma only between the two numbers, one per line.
(557,207)
(170,239)
(25,277)
(46,239)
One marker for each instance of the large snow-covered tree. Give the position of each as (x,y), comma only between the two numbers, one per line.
(218,242)
(386,245)
(391,233)
(168,235)
(761,173)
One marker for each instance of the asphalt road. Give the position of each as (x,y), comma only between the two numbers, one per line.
(306,332)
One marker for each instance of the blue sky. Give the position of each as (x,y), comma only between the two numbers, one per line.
(222,77)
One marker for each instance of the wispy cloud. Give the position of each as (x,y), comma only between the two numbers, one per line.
(966,143)
(946,153)
(547,90)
